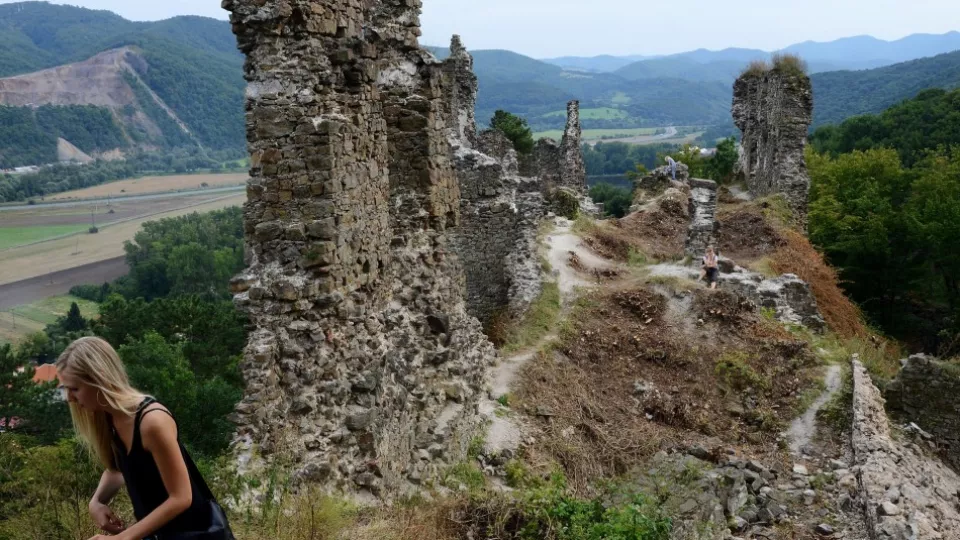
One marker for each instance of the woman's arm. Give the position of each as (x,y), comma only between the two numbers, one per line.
(110,484)
(159,434)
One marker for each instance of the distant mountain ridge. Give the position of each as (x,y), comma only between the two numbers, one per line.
(180,82)
(858,52)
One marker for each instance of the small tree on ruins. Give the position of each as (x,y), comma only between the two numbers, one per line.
(515,128)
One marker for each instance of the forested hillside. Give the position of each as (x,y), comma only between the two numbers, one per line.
(191,64)
(842,94)
(884,206)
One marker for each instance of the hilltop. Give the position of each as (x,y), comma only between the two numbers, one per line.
(165,84)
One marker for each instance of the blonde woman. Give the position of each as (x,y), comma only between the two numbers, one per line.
(135,438)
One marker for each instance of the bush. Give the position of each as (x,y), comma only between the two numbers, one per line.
(565,203)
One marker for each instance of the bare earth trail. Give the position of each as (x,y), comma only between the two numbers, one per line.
(803,429)
(503,432)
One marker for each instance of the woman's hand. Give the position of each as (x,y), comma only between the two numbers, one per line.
(104,517)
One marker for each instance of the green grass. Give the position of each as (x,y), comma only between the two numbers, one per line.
(41,313)
(17,236)
(591,134)
(621,98)
(539,320)
(600,113)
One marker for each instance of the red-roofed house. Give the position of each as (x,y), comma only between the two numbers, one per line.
(45,373)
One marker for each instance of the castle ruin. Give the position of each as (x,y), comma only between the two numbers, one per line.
(379,226)
(773,109)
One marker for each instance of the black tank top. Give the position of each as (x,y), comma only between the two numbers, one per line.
(145,485)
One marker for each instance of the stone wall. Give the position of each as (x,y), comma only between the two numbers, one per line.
(703,228)
(364,368)
(905,492)
(573,171)
(773,110)
(500,211)
(927,393)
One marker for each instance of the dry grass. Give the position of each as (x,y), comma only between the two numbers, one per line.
(789,64)
(756,68)
(798,256)
(593,421)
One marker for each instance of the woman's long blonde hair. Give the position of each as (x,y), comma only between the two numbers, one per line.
(95,362)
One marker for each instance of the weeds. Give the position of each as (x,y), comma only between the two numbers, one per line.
(537,322)
(838,412)
(732,368)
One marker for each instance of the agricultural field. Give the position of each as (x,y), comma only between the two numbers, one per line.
(598,134)
(600,113)
(18,322)
(153,184)
(16,236)
(26,261)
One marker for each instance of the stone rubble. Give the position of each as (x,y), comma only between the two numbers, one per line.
(906,492)
(773,110)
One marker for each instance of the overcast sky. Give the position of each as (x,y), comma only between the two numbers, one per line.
(547,28)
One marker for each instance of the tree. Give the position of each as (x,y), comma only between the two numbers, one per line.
(515,128)
(721,165)
(201,405)
(616,200)
(16,386)
(74,321)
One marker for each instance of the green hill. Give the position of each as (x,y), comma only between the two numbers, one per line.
(842,94)
(192,63)
(928,121)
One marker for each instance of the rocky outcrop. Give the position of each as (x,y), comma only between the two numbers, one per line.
(656,181)
(906,493)
(702,231)
(773,109)
(927,392)
(787,296)
(363,367)
(573,171)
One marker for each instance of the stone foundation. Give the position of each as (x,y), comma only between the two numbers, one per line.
(364,368)
(773,110)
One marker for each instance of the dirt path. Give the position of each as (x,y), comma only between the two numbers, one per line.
(504,432)
(803,429)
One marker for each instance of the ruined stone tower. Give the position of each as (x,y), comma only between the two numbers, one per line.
(773,109)
(573,171)
(364,367)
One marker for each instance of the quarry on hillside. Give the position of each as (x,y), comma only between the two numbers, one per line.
(434,315)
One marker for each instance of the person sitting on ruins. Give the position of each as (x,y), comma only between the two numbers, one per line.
(673,167)
(711,267)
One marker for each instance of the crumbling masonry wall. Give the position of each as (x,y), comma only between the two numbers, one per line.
(702,231)
(364,368)
(573,170)
(905,492)
(927,392)
(773,109)
(500,211)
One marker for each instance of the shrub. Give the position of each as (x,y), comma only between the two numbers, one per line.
(565,204)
